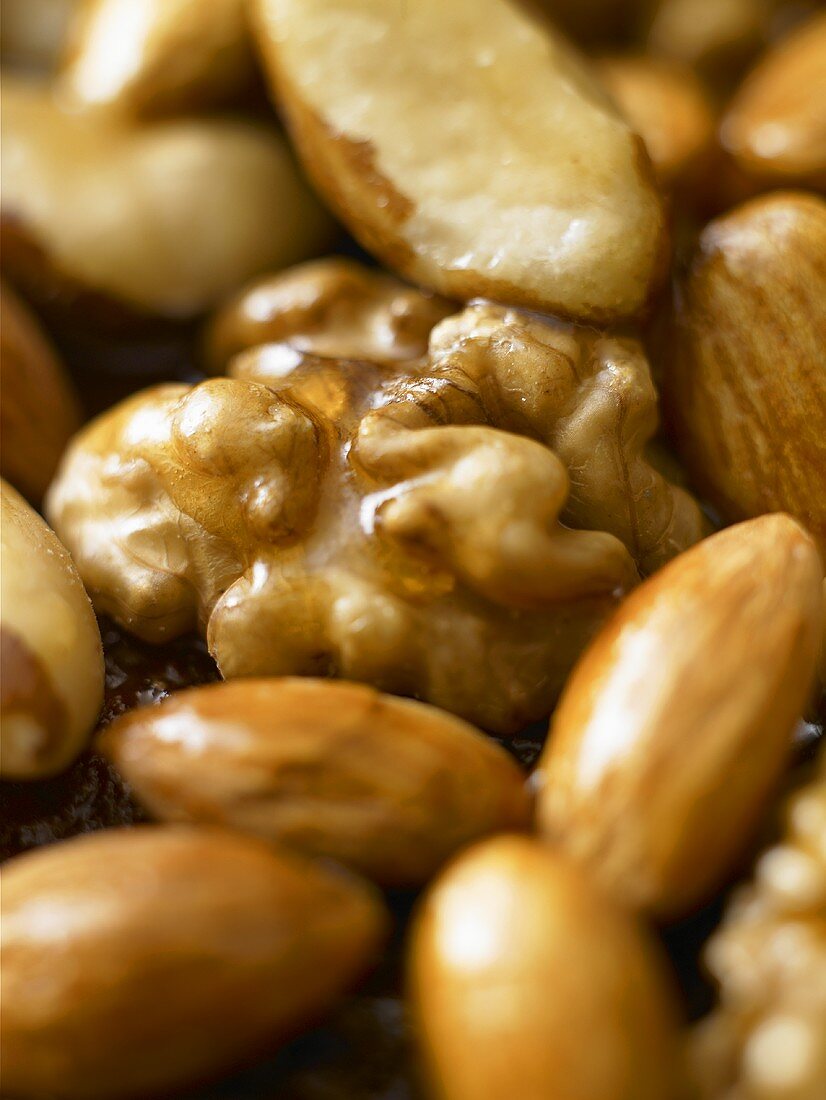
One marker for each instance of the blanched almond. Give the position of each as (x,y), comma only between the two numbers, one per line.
(471,148)
(528,983)
(677,722)
(388,786)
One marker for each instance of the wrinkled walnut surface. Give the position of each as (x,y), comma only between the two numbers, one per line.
(369,522)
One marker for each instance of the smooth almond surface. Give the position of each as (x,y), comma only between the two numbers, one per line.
(677,721)
(745,389)
(388,786)
(470,147)
(526,982)
(137,961)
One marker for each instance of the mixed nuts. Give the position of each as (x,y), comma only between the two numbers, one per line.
(563,454)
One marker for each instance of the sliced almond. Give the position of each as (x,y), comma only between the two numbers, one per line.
(470,147)
(677,722)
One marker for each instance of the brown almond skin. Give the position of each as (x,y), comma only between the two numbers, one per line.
(385,785)
(137,961)
(775,127)
(39,410)
(745,390)
(676,723)
(526,982)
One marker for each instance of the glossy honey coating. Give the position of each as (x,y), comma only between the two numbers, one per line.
(332,306)
(767,1038)
(412,526)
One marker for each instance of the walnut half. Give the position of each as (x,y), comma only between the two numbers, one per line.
(453,528)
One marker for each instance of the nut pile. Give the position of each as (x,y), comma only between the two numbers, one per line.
(498,435)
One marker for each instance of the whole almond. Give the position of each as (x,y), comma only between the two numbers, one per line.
(137,961)
(388,786)
(746,389)
(677,721)
(775,127)
(527,983)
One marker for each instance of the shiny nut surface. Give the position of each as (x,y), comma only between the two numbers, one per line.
(516,181)
(676,723)
(51,664)
(39,410)
(746,384)
(766,1039)
(527,982)
(332,307)
(156,57)
(775,127)
(668,107)
(389,787)
(137,961)
(408,526)
(167,218)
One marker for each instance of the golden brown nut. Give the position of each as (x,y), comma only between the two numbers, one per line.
(767,1038)
(470,148)
(167,218)
(157,56)
(372,523)
(677,722)
(51,663)
(39,410)
(389,787)
(33,32)
(775,127)
(669,108)
(332,307)
(715,38)
(138,961)
(746,386)
(527,982)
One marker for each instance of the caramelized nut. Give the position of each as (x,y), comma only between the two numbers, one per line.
(39,410)
(400,525)
(470,148)
(387,786)
(678,720)
(167,218)
(50,652)
(137,961)
(527,982)
(746,388)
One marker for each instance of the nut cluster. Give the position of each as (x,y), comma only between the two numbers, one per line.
(508,555)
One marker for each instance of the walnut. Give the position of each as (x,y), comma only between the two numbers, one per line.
(767,1038)
(400,524)
(334,307)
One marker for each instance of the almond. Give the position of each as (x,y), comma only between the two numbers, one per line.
(471,148)
(137,961)
(775,127)
(527,982)
(746,389)
(388,786)
(677,721)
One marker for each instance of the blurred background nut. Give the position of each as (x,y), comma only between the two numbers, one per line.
(527,982)
(167,218)
(33,32)
(51,665)
(137,961)
(678,720)
(745,387)
(775,127)
(39,410)
(767,1038)
(669,108)
(716,38)
(406,525)
(389,787)
(153,57)
(512,177)
(333,307)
